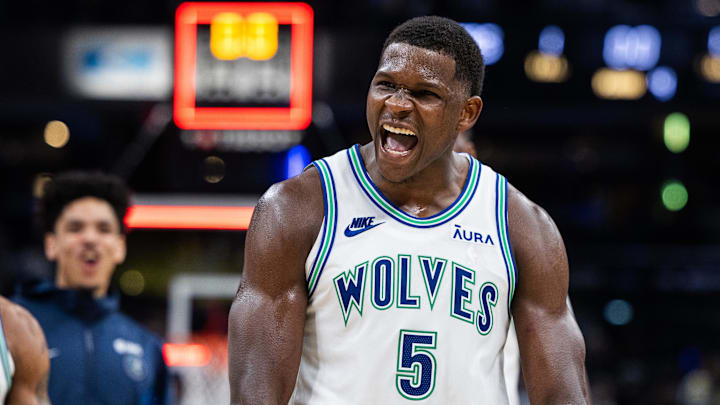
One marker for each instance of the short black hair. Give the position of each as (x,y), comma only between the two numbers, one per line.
(64,188)
(448,37)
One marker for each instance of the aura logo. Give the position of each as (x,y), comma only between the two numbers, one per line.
(470,236)
(360,225)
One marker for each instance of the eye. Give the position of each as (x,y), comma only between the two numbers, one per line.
(385,84)
(427,93)
(74,226)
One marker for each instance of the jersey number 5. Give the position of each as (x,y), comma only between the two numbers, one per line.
(415,378)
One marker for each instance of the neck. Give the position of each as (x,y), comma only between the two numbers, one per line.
(427,192)
(63,283)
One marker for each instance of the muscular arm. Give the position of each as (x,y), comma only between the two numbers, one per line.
(26,342)
(552,349)
(267,317)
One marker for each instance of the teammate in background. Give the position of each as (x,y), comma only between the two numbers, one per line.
(24,363)
(97,354)
(387,272)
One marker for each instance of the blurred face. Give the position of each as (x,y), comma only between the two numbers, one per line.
(86,244)
(415,109)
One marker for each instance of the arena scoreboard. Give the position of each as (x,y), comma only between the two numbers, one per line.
(245,66)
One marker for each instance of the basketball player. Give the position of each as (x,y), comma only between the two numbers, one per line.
(24,364)
(387,273)
(98,354)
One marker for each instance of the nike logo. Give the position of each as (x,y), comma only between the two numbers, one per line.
(360,225)
(352,232)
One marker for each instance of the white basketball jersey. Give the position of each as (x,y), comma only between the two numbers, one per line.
(405,309)
(7,367)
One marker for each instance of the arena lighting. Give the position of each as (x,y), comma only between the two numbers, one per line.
(710,68)
(714,41)
(674,195)
(628,47)
(39,184)
(708,8)
(490,39)
(618,84)
(551,40)
(132,282)
(548,68)
(618,312)
(676,132)
(297,115)
(188,217)
(57,134)
(662,82)
(297,158)
(186,355)
(214,169)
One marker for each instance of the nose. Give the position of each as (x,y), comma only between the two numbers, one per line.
(90,235)
(399,103)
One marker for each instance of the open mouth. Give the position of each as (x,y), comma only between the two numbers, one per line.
(398,141)
(90,257)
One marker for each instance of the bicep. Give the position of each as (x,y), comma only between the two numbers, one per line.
(552,349)
(32,365)
(267,317)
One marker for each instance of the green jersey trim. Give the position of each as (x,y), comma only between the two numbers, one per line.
(376,196)
(329,224)
(501,216)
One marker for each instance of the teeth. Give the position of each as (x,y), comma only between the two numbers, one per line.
(397,153)
(401,131)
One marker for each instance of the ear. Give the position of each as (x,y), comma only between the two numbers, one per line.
(120,249)
(51,248)
(470,113)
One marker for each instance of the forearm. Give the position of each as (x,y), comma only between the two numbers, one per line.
(554,369)
(29,392)
(265,340)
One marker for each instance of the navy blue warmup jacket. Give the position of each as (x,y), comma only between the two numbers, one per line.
(98,356)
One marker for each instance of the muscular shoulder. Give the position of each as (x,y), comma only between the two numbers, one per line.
(294,208)
(283,229)
(538,249)
(530,225)
(22,331)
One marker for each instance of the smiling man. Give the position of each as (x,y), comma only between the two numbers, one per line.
(388,273)
(97,354)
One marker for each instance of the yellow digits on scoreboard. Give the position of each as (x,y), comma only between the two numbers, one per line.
(262,36)
(256,37)
(227,36)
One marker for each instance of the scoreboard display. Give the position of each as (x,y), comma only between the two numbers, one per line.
(244,66)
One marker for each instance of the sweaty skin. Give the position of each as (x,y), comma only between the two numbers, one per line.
(413,89)
(552,349)
(27,346)
(268,315)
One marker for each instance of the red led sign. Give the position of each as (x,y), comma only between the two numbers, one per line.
(188,217)
(299,16)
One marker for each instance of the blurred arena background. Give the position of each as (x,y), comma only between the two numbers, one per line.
(605,112)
